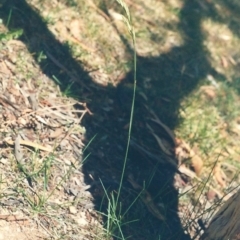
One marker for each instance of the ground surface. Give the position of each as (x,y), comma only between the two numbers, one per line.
(66,83)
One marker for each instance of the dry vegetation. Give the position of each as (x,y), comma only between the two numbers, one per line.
(64,61)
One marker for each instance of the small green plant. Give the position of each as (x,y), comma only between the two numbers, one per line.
(10,35)
(41,56)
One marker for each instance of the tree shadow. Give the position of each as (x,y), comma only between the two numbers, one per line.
(166,80)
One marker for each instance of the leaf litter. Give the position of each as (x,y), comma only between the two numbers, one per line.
(42,141)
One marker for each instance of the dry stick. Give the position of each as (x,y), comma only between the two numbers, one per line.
(30,144)
(65,70)
(28,113)
(147,199)
(10,218)
(102,13)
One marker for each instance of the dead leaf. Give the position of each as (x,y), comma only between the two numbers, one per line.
(4,69)
(183,151)
(81,220)
(217,173)
(72,210)
(33,101)
(209,92)
(183,169)
(15,42)
(10,66)
(197,163)
(115,15)
(13,90)
(17,149)
(233,62)
(224,62)
(75,28)
(56,133)
(211,195)
(21,121)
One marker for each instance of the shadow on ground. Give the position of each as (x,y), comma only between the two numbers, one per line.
(165,80)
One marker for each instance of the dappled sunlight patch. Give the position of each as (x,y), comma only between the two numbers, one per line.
(91,37)
(222,45)
(160,33)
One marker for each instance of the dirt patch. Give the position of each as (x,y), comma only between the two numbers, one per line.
(21,229)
